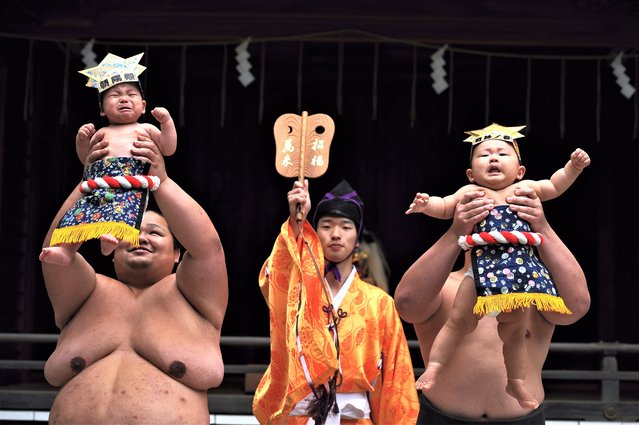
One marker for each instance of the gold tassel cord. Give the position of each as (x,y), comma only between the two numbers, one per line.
(85,232)
(507,302)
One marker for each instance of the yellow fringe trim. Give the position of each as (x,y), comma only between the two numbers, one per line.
(84,232)
(508,302)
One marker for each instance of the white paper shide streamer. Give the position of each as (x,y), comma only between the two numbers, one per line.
(438,75)
(88,55)
(622,79)
(243,65)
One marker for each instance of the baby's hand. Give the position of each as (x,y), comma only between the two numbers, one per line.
(161,114)
(579,159)
(85,133)
(418,204)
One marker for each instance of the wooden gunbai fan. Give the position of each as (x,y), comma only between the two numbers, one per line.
(302,145)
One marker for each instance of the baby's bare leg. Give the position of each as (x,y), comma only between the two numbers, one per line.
(461,322)
(61,254)
(512,331)
(107,243)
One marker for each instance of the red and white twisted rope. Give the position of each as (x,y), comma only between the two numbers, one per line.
(120,182)
(500,237)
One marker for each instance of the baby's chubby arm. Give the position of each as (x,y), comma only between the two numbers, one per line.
(563,178)
(82,140)
(435,206)
(166,138)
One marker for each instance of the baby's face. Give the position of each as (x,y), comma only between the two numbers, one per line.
(123,104)
(495,165)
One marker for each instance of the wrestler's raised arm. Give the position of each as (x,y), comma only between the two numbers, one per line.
(201,275)
(562,264)
(70,285)
(418,295)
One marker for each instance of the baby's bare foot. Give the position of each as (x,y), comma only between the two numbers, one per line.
(107,243)
(517,389)
(427,380)
(56,255)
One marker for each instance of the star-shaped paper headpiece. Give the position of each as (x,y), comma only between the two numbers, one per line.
(114,70)
(496,132)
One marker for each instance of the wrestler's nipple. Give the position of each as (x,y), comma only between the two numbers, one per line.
(77,364)
(177,369)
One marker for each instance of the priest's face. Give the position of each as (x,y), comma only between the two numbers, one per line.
(338,236)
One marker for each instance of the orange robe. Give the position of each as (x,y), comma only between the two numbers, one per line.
(370,331)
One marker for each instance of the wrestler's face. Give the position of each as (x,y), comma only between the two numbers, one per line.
(338,236)
(123,104)
(495,165)
(153,260)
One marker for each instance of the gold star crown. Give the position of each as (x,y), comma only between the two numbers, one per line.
(114,70)
(496,132)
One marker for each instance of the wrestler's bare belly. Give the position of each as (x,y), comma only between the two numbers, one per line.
(125,388)
(134,356)
(476,375)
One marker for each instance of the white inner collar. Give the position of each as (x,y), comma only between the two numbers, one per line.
(339,297)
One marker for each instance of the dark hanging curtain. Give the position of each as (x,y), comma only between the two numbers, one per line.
(394,137)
